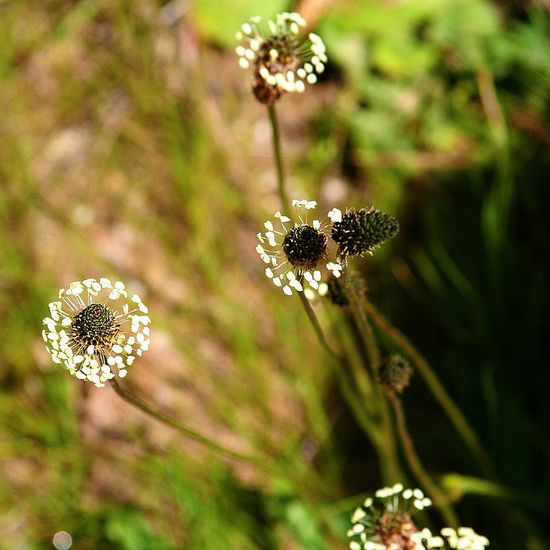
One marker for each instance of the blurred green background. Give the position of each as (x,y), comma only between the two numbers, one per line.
(130,147)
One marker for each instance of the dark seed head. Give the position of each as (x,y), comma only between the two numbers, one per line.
(305,246)
(361,231)
(94,325)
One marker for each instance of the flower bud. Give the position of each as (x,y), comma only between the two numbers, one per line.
(395,373)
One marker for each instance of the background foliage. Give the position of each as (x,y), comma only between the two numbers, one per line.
(131,148)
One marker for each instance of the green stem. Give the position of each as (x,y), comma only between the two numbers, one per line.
(345,327)
(346,385)
(439,498)
(446,402)
(318,329)
(137,402)
(392,469)
(362,416)
(359,316)
(387,443)
(365,329)
(294,472)
(278,158)
(387,448)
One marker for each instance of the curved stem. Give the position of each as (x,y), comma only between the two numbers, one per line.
(139,403)
(438,497)
(288,471)
(446,402)
(278,158)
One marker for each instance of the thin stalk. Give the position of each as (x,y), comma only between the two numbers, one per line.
(372,397)
(363,417)
(446,402)
(344,327)
(306,470)
(360,318)
(346,385)
(278,158)
(139,403)
(386,448)
(393,471)
(318,329)
(373,352)
(440,500)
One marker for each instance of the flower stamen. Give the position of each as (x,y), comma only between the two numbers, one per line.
(93,327)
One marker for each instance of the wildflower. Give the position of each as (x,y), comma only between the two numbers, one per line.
(283,61)
(385,522)
(395,373)
(95,328)
(295,253)
(362,231)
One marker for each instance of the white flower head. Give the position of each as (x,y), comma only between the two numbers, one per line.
(283,60)
(386,519)
(96,330)
(295,251)
(385,522)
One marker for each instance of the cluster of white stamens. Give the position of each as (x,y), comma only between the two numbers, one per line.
(94,327)
(385,516)
(462,538)
(282,58)
(295,251)
(384,522)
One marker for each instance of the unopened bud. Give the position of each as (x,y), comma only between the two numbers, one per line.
(395,373)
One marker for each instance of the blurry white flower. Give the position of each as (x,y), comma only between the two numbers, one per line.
(384,522)
(95,330)
(283,61)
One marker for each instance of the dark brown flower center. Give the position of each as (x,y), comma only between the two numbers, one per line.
(94,325)
(305,246)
